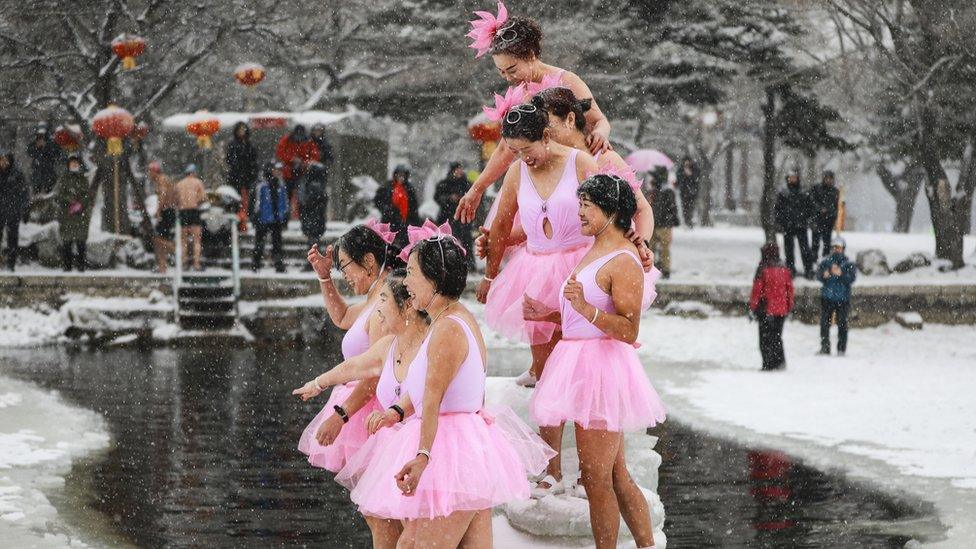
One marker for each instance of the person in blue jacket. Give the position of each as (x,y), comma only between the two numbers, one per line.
(270,215)
(836,274)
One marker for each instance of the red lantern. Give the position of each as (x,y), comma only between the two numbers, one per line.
(486,132)
(203,126)
(128,47)
(68,138)
(141,130)
(113,123)
(249,74)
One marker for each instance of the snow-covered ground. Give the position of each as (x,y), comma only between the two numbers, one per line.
(898,410)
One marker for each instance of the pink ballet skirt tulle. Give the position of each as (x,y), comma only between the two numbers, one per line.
(598,384)
(351,438)
(540,277)
(478,460)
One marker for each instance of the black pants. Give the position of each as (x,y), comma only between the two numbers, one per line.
(261,232)
(69,258)
(800,236)
(827,310)
(688,200)
(463,233)
(11,225)
(771,341)
(821,233)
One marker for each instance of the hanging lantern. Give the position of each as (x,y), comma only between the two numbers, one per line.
(128,47)
(68,138)
(486,132)
(249,74)
(141,130)
(113,123)
(203,125)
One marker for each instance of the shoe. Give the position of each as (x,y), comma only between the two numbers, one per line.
(841,353)
(823,351)
(255,268)
(526,379)
(554,489)
(577,491)
(279,268)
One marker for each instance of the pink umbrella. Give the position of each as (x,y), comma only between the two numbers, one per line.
(645,160)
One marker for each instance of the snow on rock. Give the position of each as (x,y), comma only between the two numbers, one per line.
(913,261)
(910,320)
(691,309)
(872,262)
(27,327)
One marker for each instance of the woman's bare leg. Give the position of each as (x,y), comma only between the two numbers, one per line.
(441,532)
(385,532)
(631,501)
(478,535)
(597,452)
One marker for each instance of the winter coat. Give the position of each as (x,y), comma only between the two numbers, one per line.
(290,152)
(444,196)
(687,184)
(326,155)
(823,199)
(793,208)
(264,208)
(44,160)
(73,201)
(242,163)
(14,192)
(383,200)
(313,200)
(665,207)
(836,288)
(772,289)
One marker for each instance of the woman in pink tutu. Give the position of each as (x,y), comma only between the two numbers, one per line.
(594,378)
(390,359)
(515,45)
(452,461)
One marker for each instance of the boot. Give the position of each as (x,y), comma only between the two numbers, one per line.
(81,258)
(67,258)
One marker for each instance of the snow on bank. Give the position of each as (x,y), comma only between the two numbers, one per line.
(28,327)
(39,438)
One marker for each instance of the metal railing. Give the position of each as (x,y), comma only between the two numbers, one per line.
(177,268)
(235,265)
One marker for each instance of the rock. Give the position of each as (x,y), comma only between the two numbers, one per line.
(48,245)
(102,249)
(909,319)
(690,309)
(873,262)
(913,261)
(133,254)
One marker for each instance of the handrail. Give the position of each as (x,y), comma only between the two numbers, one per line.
(235,257)
(177,269)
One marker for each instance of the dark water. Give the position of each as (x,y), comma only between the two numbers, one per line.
(204,455)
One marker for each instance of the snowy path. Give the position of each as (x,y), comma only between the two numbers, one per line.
(897,411)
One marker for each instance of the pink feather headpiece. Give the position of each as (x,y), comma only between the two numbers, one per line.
(611,169)
(551,80)
(514,95)
(485,27)
(381,229)
(429,231)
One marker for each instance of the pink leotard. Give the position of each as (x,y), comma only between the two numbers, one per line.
(389,388)
(574,325)
(356,340)
(561,208)
(465,393)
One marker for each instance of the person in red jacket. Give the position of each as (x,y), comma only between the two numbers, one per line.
(771,301)
(296,151)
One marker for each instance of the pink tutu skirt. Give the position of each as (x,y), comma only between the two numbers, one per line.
(351,438)
(598,384)
(478,460)
(540,276)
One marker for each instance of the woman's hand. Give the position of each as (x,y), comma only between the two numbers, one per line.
(409,477)
(535,310)
(321,263)
(597,142)
(468,205)
(481,243)
(482,291)
(378,420)
(329,430)
(307,391)
(573,292)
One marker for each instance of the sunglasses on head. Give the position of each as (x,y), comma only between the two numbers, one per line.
(516,113)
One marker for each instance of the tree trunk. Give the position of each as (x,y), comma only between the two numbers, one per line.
(769,166)
(903,188)
(942,208)
(705,190)
(744,174)
(729,187)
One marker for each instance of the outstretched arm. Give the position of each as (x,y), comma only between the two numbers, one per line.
(366,365)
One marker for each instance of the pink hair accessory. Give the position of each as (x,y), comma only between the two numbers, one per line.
(514,95)
(485,27)
(551,80)
(381,229)
(609,168)
(428,231)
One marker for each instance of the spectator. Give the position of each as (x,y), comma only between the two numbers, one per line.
(771,301)
(270,215)
(447,194)
(242,166)
(190,195)
(14,202)
(665,208)
(837,274)
(44,155)
(397,203)
(321,141)
(313,200)
(824,198)
(166,207)
(688,183)
(295,151)
(74,214)
(792,211)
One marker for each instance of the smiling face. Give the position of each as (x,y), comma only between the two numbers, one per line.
(391,316)
(533,153)
(563,130)
(359,277)
(515,71)
(592,218)
(421,289)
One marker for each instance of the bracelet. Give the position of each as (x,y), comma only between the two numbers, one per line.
(315,382)
(325,281)
(596,313)
(489,279)
(423,452)
(341,412)
(396,408)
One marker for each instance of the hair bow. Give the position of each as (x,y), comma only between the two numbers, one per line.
(611,169)
(514,95)
(429,231)
(551,80)
(381,229)
(485,27)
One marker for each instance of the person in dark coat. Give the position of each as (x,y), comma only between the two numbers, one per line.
(242,165)
(45,156)
(270,215)
(326,156)
(14,202)
(688,182)
(295,151)
(397,204)
(447,194)
(837,275)
(824,199)
(770,303)
(793,211)
(313,200)
(74,214)
(665,208)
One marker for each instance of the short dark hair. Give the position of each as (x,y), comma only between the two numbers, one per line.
(530,125)
(361,240)
(399,291)
(519,37)
(444,264)
(612,195)
(562,101)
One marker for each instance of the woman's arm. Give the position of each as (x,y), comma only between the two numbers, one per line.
(507,202)
(598,134)
(364,391)
(619,278)
(341,314)
(366,365)
(499,162)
